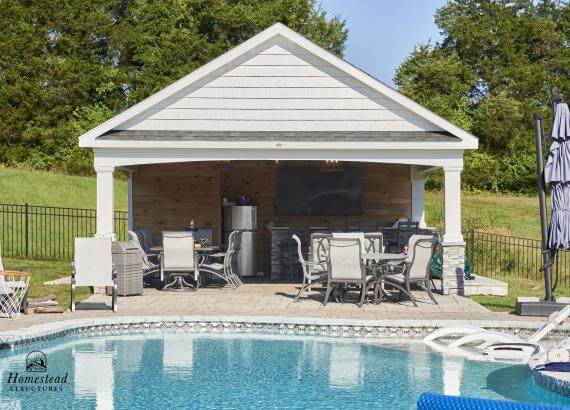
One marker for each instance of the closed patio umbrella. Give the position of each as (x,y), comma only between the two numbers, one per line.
(557,174)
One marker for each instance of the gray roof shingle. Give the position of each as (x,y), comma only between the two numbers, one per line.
(284,136)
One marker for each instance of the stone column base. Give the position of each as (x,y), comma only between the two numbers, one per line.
(452,269)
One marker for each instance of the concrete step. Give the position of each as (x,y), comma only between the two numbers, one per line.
(482,285)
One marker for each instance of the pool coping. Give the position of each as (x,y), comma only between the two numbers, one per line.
(390,328)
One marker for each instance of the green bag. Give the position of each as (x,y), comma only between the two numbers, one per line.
(437,263)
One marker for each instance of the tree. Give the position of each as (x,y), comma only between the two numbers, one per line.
(67,65)
(493,68)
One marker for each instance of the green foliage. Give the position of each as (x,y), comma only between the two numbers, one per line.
(492,70)
(480,171)
(69,65)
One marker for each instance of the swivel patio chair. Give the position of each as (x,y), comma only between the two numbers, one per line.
(179,260)
(93,266)
(225,270)
(416,267)
(13,292)
(345,266)
(310,276)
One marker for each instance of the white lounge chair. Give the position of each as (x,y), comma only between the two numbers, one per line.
(310,276)
(93,266)
(13,292)
(493,342)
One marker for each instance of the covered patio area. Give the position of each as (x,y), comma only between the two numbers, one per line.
(278,102)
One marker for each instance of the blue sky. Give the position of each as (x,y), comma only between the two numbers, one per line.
(383,32)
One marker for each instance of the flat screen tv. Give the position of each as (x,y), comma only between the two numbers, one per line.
(310,191)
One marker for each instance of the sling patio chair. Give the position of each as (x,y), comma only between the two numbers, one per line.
(346,267)
(225,270)
(93,266)
(148,267)
(310,274)
(13,292)
(179,260)
(415,270)
(146,238)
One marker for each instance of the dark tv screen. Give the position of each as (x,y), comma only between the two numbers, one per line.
(310,191)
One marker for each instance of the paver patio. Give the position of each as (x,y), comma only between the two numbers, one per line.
(265,299)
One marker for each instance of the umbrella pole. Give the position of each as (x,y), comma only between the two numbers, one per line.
(546,255)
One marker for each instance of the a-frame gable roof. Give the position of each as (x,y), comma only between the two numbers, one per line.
(317,93)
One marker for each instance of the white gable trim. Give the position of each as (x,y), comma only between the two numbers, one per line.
(89,138)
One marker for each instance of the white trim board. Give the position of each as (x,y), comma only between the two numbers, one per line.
(121,157)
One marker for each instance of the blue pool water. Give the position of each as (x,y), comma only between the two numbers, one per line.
(185,370)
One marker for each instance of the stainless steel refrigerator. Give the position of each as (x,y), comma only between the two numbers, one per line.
(243,218)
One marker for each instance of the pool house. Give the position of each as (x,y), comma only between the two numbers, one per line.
(300,136)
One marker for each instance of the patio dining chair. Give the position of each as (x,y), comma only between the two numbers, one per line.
(225,270)
(374,241)
(345,266)
(406,229)
(93,266)
(368,226)
(310,274)
(146,238)
(179,260)
(416,267)
(148,267)
(13,292)
(366,245)
(319,251)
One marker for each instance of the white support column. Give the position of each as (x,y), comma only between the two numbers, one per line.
(453,245)
(452,204)
(130,199)
(105,201)
(418,180)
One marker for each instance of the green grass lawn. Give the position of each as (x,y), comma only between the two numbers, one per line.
(517,287)
(503,214)
(44,188)
(43,271)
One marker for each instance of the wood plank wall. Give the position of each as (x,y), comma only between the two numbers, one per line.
(167,196)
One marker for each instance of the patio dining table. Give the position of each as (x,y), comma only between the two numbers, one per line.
(379,271)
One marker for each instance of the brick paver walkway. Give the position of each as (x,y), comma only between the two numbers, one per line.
(267,299)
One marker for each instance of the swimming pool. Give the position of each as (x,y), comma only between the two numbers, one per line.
(181,369)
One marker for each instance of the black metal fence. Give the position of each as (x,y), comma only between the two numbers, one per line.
(501,255)
(47,232)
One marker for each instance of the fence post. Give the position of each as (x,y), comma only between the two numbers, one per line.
(472,245)
(26,222)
